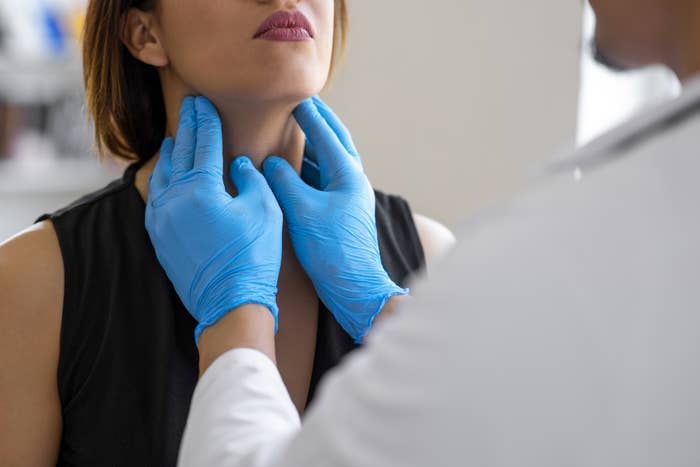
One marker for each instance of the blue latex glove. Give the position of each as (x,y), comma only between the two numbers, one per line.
(220,252)
(333,228)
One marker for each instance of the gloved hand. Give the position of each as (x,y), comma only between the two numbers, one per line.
(333,229)
(219,252)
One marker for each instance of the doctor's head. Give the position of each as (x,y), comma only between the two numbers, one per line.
(246,51)
(635,33)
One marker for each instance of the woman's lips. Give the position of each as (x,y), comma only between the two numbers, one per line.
(285,34)
(285,26)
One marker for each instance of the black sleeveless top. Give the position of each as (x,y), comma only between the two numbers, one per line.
(128,362)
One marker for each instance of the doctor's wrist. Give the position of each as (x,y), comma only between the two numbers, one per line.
(249,326)
(391,306)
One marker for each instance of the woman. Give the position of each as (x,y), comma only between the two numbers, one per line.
(97,350)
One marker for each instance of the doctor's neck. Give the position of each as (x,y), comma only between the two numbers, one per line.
(683,51)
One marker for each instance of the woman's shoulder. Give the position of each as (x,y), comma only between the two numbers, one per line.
(31,291)
(435,238)
(31,277)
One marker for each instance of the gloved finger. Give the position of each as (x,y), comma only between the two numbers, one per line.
(337,126)
(285,183)
(209,152)
(185,140)
(309,152)
(160,178)
(310,172)
(330,153)
(246,177)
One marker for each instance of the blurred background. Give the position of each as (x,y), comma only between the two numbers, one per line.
(453,118)
(46,156)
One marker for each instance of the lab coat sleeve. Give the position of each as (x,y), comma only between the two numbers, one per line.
(369,411)
(241,414)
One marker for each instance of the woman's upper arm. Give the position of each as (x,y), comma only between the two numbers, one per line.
(31,300)
(437,239)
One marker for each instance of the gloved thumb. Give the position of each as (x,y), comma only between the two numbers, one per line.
(246,177)
(284,182)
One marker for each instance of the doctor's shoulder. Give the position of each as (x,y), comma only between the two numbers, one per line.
(31,299)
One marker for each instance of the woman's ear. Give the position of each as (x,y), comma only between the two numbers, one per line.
(141,36)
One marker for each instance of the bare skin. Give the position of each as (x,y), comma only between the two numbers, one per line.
(31,298)
(645,32)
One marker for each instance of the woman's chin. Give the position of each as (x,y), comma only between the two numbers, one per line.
(286,81)
(273,92)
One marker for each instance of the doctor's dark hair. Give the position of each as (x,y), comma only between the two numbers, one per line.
(123,94)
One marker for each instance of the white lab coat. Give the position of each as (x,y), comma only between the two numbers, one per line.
(563,331)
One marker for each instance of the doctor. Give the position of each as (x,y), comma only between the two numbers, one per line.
(565,329)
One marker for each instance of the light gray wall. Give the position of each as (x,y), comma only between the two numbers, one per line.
(29,188)
(451,101)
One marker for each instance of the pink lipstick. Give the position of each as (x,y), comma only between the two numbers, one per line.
(285,26)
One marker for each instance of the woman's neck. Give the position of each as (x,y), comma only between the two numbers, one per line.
(256,130)
(253,129)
